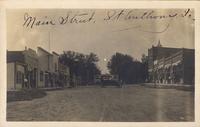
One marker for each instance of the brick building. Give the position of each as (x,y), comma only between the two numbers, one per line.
(171,65)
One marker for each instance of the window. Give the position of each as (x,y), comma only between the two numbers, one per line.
(55,67)
(19,77)
(41,75)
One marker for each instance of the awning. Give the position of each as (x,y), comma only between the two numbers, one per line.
(155,62)
(160,66)
(167,65)
(177,62)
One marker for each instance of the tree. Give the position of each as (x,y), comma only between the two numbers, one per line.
(128,69)
(81,65)
(144,60)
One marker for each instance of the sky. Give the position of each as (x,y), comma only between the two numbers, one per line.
(104,32)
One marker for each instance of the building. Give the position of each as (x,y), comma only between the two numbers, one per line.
(22,69)
(55,61)
(155,53)
(31,61)
(31,69)
(51,72)
(97,79)
(15,75)
(45,68)
(171,65)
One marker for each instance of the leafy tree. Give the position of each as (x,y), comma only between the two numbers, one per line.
(81,65)
(144,60)
(128,69)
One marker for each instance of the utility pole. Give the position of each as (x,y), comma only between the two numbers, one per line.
(49,50)
(49,42)
(49,76)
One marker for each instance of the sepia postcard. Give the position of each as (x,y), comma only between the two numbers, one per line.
(103,64)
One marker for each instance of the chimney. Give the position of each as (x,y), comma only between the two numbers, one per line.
(159,44)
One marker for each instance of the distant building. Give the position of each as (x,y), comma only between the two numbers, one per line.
(97,79)
(171,65)
(109,77)
(64,75)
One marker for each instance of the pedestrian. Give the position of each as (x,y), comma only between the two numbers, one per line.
(121,83)
(25,82)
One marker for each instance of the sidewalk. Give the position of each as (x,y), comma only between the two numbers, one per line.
(161,84)
(170,86)
(51,88)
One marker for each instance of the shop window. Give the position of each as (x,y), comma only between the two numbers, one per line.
(19,77)
(55,67)
(41,76)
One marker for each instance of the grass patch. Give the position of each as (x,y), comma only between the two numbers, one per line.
(26,94)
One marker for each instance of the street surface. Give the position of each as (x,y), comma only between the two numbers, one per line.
(130,103)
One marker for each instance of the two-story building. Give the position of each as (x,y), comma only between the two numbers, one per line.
(45,68)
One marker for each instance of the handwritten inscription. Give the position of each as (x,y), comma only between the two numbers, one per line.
(77,18)
(109,16)
(130,15)
(32,21)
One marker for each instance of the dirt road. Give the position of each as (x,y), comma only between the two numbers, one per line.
(131,103)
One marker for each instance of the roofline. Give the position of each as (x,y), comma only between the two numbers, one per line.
(31,49)
(172,48)
(177,53)
(55,53)
(44,50)
(16,51)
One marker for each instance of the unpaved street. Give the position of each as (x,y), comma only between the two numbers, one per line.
(131,103)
